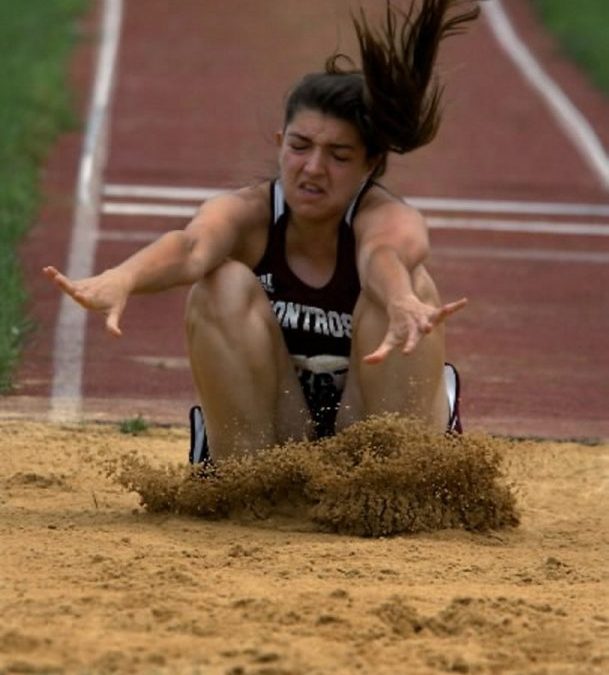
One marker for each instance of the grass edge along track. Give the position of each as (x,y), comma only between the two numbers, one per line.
(36,40)
(581,29)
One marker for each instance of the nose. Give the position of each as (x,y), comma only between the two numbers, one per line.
(315,162)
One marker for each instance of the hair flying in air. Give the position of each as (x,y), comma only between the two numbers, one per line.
(394,100)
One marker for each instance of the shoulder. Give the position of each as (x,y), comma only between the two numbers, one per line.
(239,219)
(385,221)
(245,207)
(382,210)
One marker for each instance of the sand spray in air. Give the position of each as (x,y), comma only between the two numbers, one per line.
(383,476)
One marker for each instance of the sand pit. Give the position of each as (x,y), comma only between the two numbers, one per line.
(93,582)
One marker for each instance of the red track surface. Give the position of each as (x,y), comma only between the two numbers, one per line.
(197,98)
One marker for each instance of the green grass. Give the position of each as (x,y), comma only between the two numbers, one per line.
(134,426)
(582,26)
(36,37)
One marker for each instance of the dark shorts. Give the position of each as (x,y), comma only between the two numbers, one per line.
(322,379)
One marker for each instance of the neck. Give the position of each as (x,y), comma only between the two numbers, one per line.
(311,250)
(321,232)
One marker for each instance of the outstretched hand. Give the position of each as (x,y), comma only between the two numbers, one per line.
(106,293)
(408,323)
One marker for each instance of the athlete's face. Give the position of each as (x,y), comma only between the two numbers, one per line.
(322,163)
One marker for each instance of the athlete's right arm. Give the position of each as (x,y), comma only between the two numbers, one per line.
(179,257)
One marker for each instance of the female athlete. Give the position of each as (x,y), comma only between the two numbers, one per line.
(311,307)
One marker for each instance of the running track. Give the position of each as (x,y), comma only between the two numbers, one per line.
(181,103)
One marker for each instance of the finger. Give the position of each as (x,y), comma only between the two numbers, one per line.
(426,327)
(380,353)
(50,271)
(413,340)
(112,321)
(453,307)
(449,309)
(377,356)
(60,280)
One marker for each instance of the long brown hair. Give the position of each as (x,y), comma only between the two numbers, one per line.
(394,99)
(402,94)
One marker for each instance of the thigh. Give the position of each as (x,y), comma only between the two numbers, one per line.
(246,382)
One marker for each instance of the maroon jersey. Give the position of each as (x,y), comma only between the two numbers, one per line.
(314,321)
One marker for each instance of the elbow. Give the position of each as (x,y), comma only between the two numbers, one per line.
(186,256)
(184,242)
(178,240)
(418,256)
(410,258)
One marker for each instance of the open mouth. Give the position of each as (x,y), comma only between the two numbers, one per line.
(311,189)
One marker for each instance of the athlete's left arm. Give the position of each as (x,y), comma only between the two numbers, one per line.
(392,241)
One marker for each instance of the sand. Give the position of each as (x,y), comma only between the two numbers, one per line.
(93,582)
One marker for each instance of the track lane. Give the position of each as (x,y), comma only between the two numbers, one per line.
(530,345)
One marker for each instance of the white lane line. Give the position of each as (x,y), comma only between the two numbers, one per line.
(144,209)
(69,343)
(144,236)
(518,226)
(510,207)
(533,254)
(162,192)
(194,194)
(434,222)
(572,121)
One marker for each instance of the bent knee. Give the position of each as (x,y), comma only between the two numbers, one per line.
(226,290)
(423,287)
